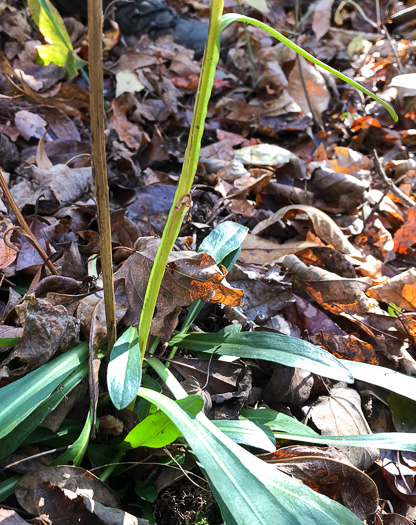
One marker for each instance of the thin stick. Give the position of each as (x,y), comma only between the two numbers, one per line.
(23,224)
(393,188)
(95,60)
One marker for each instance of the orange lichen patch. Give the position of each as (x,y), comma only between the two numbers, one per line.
(405,237)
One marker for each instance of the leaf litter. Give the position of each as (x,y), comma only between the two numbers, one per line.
(288,153)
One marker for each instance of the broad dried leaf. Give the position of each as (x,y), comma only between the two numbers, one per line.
(400,290)
(338,188)
(334,293)
(47,330)
(291,386)
(66,185)
(30,125)
(321,18)
(264,294)
(128,132)
(189,276)
(325,228)
(404,238)
(71,495)
(348,347)
(315,84)
(257,250)
(330,473)
(340,414)
(7,254)
(219,377)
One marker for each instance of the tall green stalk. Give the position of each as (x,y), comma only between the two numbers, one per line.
(183,200)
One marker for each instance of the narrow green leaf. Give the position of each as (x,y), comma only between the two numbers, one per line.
(19,399)
(157,430)
(385,377)
(12,441)
(8,341)
(124,372)
(233,17)
(277,421)
(249,490)
(286,427)
(77,450)
(248,433)
(7,487)
(269,346)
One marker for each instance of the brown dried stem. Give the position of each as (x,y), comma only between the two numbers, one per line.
(95,61)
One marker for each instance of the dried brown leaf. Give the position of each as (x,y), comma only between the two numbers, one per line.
(328,472)
(47,329)
(400,290)
(340,414)
(325,228)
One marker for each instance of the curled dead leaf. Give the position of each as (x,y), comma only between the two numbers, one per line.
(325,228)
(400,290)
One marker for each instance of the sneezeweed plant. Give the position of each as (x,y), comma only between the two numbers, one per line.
(247,489)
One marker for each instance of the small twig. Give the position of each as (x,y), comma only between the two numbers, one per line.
(376,207)
(34,456)
(394,49)
(23,224)
(393,188)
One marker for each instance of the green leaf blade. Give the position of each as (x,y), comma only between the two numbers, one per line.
(228,18)
(269,346)
(124,372)
(157,430)
(21,398)
(248,489)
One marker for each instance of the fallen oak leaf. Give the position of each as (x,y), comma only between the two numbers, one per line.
(189,276)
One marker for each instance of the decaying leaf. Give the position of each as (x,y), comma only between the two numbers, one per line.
(328,471)
(400,290)
(325,228)
(264,294)
(47,329)
(315,84)
(71,494)
(404,238)
(334,293)
(321,18)
(7,254)
(66,185)
(189,276)
(340,414)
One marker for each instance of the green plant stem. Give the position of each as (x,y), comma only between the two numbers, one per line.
(182,201)
(167,377)
(233,17)
(110,469)
(95,53)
